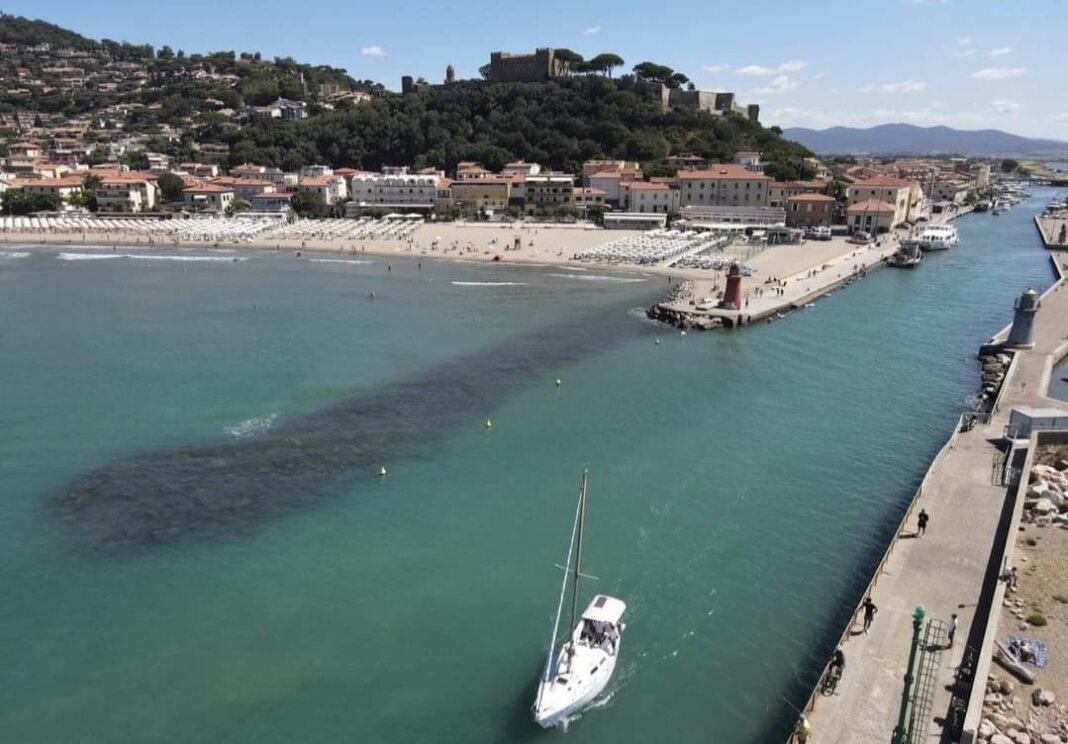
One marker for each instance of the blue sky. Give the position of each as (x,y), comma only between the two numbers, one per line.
(964,63)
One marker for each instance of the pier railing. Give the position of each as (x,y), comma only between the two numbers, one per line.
(844,636)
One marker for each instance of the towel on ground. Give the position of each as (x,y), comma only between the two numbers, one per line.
(1038,647)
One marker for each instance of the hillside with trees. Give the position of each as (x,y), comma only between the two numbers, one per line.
(559,124)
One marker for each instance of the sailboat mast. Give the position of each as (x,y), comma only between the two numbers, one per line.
(578,552)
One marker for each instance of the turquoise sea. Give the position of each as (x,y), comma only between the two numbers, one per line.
(196,546)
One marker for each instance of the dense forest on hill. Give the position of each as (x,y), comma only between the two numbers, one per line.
(18,30)
(558,124)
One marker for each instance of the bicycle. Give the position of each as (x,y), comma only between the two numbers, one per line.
(831,677)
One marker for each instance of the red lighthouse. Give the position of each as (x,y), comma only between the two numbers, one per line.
(732,295)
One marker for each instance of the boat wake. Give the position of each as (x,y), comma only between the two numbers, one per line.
(339,260)
(13,254)
(249,427)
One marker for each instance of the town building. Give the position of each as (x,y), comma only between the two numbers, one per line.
(331,189)
(208,198)
(749,160)
(641,197)
(872,216)
(548,192)
(630,170)
(127,192)
(245,188)
(780,191)
(587,198)
(394,188)
(951,191)
(473,196)
(270,202)
(521,168)
(65,188)
(905,196)
(687,162)
(723,185)
(713,102)
(809,210)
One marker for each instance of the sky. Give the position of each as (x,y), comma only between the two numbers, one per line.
(970,64)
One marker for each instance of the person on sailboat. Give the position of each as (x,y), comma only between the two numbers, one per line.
(613,639)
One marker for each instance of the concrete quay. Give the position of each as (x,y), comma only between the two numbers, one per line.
(1050,229)
(953,568)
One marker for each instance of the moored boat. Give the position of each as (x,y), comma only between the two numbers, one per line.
(908,256)
(938,237)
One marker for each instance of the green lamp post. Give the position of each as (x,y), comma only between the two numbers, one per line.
(899,730)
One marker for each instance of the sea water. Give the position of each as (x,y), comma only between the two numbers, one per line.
(742,487)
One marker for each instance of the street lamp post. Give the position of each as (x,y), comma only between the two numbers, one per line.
(899,730)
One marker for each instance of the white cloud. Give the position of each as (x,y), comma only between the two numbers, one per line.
(905,86)
(755,70)
(1000,51)
(999,73)
(715,68)
(1006,107)
(965,46)
(592,30)
(819,76)
(373,51)
(780,84)
(794,65)
(964,41)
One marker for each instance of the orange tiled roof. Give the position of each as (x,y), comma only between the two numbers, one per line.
(871,205)
(726,171)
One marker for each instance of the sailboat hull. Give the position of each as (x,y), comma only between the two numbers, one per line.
(575,685)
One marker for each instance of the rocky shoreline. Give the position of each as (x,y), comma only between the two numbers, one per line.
(995,365)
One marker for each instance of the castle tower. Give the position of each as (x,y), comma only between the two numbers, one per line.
(1022,334)
(732,295)
(450,74)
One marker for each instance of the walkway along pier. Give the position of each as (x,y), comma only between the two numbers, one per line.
(953,568)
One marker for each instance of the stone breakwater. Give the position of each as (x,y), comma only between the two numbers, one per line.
(1046,501)
(995,365)
(1009,719)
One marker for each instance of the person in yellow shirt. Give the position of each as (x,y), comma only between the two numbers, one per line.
(803,732)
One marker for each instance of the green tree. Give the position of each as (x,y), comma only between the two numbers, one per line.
(650,72)
(606,62)
(484,71)
(20,201)
(572,59)
(237,206)
(307,204)
(170,187)
(1008,165)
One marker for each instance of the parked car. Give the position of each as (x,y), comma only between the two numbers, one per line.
(861,237)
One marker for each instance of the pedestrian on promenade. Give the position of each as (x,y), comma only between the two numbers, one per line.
(803,732)
(922,523)
(953,624)
(869,613)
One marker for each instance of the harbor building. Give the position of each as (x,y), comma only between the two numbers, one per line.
(723,185)
(809,210)
(872,216)
(641,197)
(903,195)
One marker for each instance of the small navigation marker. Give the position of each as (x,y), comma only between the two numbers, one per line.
(489,424)
(559,382)
(382,472)
(682,334)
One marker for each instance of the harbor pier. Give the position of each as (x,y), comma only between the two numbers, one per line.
(971,495)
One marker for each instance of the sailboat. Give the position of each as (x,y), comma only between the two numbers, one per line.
(581,666)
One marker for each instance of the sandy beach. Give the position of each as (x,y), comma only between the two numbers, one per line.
(544,244)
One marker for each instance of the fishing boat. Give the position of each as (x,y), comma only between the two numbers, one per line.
(578,669)
(908,256)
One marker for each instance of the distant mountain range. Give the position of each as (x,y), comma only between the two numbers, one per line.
(907,139)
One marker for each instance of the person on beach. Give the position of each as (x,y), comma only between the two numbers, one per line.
(953,624)
(803,732)
(1009,577)
(869,613)
(921,523)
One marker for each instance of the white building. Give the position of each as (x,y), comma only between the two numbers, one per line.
(127,194)
(394,189)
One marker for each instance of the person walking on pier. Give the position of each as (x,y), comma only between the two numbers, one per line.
(953,624)
(922,523)
(869,613)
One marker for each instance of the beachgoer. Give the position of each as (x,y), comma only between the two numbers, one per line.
(921,522)
(869,613)
(803,732)
(953,625)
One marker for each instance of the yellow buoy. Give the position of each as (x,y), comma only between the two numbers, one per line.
(382,472)
(489,424)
